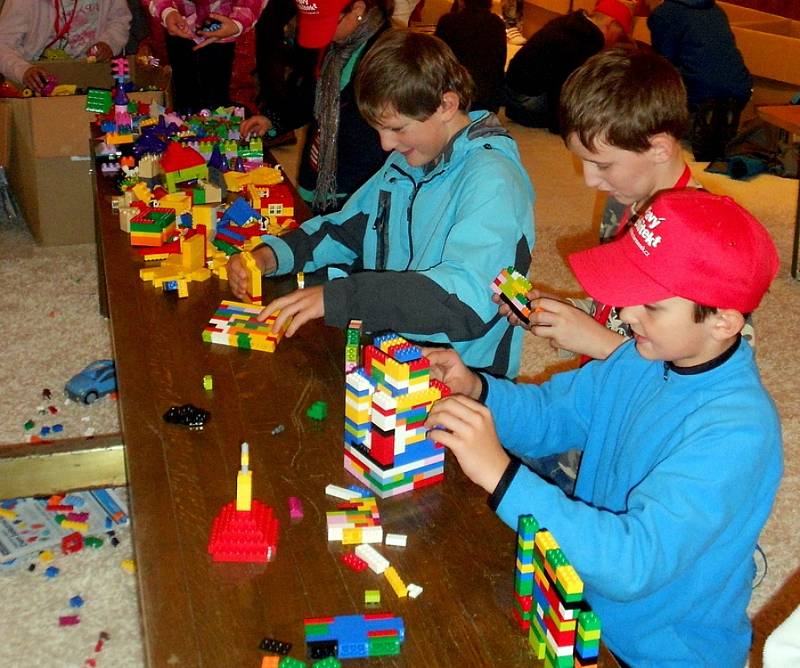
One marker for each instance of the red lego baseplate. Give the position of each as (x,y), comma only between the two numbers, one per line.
(244,535)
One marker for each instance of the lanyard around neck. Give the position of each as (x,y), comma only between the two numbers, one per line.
(62,23)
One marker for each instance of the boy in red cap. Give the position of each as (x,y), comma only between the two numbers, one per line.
(539,69)
(681,442)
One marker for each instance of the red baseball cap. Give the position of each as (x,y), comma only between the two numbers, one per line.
(317,21)
(690,244)
(618,11)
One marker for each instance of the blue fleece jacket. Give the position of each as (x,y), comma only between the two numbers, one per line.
(679,471)
(696,37)
(415,249)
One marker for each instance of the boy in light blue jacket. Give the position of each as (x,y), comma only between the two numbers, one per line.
(681,442)
(416,248)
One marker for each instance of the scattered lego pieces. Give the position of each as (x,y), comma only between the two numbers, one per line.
(277,430)
(372,596)
(318,410)
(76,602)
(396,539)
(208,382)
(51,572)
(128,565)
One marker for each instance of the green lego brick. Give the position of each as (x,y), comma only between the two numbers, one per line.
(386,646)
(291,662)
(317,629)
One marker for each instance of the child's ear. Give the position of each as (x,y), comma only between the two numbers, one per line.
(450,105)
(726,323)
(663,146)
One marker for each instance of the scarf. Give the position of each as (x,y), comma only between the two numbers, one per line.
(326,106)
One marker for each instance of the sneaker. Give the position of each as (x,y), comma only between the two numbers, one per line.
(515,37)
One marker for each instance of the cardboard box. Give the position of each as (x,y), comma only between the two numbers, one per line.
(50,167)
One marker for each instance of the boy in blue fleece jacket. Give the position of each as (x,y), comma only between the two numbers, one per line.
(416,247)
(681,442)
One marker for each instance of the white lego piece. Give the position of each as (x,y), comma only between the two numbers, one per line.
(413,590)
(342,492)
(396,539)
(375,560)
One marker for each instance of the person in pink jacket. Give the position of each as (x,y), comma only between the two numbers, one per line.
(32,29)
(200,46)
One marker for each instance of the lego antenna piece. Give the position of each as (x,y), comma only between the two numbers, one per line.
(244,481)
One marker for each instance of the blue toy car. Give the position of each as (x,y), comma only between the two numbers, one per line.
(97,379)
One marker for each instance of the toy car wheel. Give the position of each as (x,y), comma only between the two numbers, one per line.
(90,397)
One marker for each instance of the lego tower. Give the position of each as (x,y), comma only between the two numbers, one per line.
(387,400)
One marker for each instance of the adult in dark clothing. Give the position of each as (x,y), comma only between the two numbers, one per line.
(539,69)
(696,37)
(341,151)
(285,70)
(478,39)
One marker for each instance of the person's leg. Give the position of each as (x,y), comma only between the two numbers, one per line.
(214,67)
(527,110)
(714,124)
(184,79)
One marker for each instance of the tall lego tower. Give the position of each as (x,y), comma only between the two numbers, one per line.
(386,403)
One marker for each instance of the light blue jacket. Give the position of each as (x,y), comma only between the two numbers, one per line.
(679,472)
(415,249)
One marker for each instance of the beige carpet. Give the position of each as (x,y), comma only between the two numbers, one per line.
(51,329)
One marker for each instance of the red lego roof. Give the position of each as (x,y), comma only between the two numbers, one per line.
(177,157)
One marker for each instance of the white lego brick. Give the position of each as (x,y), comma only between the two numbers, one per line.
(341,492)
(375,560)
(396,539)
(413,590)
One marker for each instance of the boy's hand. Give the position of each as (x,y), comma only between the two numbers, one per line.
(101,51)
(176,25)
(466,428)
(35,78)
(508,313)
(238,274)
(570,328)
(228,28)
(447,367)
(299,306)
(255,126)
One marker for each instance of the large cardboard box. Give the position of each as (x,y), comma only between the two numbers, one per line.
(50,166)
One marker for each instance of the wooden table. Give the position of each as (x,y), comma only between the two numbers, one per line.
(199,613)
(787,117)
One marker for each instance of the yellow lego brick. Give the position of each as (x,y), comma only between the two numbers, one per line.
(545,541)
(128,565)
(569,579)
(8,514)
(244,490)
(352,536)
(397,584)
(524,568)
(45,556)
(83,527)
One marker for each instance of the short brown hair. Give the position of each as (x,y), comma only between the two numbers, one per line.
(409,72)
(623,97)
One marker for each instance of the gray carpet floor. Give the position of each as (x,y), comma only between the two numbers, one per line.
(51,329)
